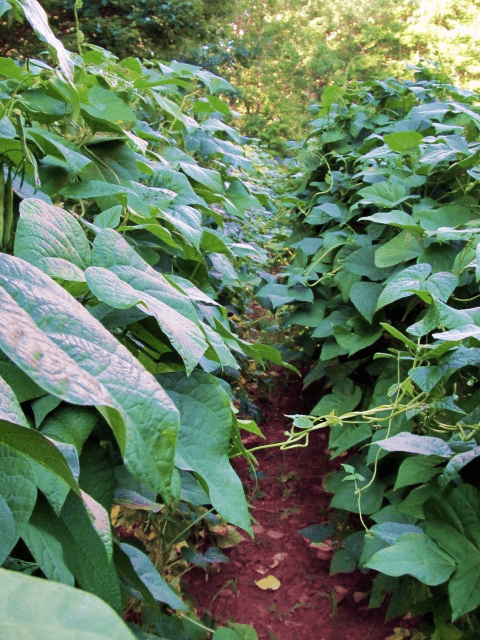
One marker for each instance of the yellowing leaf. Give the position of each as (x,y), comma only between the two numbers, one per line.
(270,583)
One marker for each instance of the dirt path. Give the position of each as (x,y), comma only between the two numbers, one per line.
(288,496)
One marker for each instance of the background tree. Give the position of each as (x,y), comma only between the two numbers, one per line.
(143,28)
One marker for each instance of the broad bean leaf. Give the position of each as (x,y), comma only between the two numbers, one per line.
(416,555)
(411,443)
(36,16)
(417,470)
(18,486)
(150,577)
(186,337)
(52,240)
(345,497)
(40,536)
(384,194)
(8,530)
(204,440)
(39,610)
(276,295)
(67,352)
(464,584)
(404,284)
(10,409)
(84,536)
(401,141)
(402,248)
(389,532)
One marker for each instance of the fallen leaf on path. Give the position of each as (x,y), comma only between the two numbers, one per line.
(270,583)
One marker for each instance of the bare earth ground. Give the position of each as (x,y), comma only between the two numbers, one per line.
(287,496)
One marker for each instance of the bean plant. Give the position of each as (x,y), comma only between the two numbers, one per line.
(116,179)
(382,289)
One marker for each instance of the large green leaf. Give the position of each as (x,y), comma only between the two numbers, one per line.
(83,534)
(411,443)
(416,555)
(8,530)
(40,535)
(38,19)
(404,284)
(186,337)
(401,248)
(40,610)
(47,333)
(384,194)
(364,296)
(10,409)
(18,493)
(150,577)
(204,440)
(52,240)
(401,141)
(464,585)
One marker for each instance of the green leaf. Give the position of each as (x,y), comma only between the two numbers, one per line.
(362,262)
(17,485)
(390,532)
(411,443)
(345,497)
(110,218)
(384,194)
(280,294)
(59,149)
(40,536)
(204,440)
(397,334)
(447,631)
(318,532)
(451,215)
(395,218)
(8,530)
(244,631)
(416,555)
(464,585)
(82,534)
(207,177)
(71,425)
(323,213)
(38,19)
(402,248)
(37,609)
(343,437)
(52,240)
(345,397)
(10,409)
(401,141)
(404,284)
(38,450)
(43,406)
(150,577)
(417,470)
(361,337)
(106,111)
(342,562)
(61,336)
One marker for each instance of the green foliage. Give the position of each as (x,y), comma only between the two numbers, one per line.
(38,610)
(144,28)
(383,284)
(118,182)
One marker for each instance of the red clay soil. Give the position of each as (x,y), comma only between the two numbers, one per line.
(309,603)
